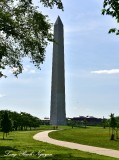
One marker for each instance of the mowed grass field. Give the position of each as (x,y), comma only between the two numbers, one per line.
(93,136)
(19,142)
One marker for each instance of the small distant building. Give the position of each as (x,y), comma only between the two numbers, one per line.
(46,121)
(90,120)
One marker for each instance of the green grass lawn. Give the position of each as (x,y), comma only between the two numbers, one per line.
(93,136)
(18,142)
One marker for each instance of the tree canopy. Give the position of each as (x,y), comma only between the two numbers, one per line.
(20,121)
(6,123)
(111,7)
(24,32)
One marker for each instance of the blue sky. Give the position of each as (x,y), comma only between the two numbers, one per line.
(91,67)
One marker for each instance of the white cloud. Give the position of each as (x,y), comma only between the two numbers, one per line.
(111,71)
(32,71)
(2,95)
(28,69)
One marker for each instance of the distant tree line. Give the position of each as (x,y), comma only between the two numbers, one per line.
(18,121)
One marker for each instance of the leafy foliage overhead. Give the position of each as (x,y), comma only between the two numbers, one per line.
(111,7)
(24,32)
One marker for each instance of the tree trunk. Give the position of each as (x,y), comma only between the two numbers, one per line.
(3,135)
(6,134)
(112,136)
(117,134)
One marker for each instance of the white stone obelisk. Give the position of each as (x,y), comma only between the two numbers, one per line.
(57,110)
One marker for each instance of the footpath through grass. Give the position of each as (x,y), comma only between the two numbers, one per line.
(93,136)
(21,143)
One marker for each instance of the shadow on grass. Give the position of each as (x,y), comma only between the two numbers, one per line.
(67,157)
(3,149)
(54,157)
(6,139)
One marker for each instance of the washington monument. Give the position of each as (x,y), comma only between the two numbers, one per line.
(57,110)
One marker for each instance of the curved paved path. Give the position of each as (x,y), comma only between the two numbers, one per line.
(43,136)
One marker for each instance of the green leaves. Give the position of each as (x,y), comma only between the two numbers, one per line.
(24,32)
(112,30)
(103,11)
(111,7)
(51,3)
